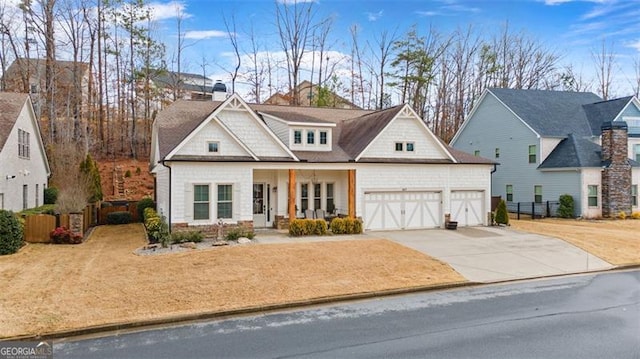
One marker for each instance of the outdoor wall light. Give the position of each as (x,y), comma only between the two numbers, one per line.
(11,177)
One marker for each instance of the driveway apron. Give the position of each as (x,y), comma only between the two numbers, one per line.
(492,254)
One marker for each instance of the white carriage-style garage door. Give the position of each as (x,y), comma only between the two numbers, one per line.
(467,208)
(389,210)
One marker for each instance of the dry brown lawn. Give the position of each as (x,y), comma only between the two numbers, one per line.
(56,287)
(615,241)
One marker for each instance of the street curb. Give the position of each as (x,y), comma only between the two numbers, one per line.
(281,306)
(227,313)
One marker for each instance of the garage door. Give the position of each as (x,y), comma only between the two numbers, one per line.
(467,207)
(402,210)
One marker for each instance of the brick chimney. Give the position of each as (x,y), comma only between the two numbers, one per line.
(616,173)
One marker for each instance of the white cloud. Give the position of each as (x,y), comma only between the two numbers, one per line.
(373,16)
(428,13)
(635,45)
(169,10)
(204,34)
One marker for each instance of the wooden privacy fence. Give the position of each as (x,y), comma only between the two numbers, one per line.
(131,207)
(37,227)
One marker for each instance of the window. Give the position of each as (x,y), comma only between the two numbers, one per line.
(317,195)
(225,201)
(297,137)
(37,194)
(25,196)
(304,197)
(537,194)
(23,144)
(311,137)
(509,193)
(330,203)
(634,195)
(398,146)
(213,147)
(636,152)
(497,152)
(476,153)
(323,137)
(409,146)
(592,195)
(532,154)
(201,201)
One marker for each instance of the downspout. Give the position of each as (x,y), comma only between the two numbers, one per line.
(170,195)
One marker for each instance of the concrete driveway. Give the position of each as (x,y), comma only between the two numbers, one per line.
(490,254)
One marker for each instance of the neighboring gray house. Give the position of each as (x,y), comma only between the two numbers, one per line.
(549,143)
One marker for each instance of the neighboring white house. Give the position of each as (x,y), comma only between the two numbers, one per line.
(24,169)
(259,165)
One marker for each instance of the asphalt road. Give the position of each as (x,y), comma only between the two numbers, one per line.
(586,316)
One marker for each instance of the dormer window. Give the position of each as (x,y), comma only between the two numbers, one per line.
(399,146)
(323,137)
(297,137)
(409,146)
(213,146)
(311,137)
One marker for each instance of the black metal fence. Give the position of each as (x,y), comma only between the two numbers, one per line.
(533,209)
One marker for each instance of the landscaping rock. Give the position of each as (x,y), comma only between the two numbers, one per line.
(220,243)
(189,245)
(243,240)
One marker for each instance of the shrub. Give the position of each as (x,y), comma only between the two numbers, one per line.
(90,168)
(127,174)
(346,226)
(50,195)
(62,235)
(187,236)
(235,233)
(44,209)
(147,213)
(635,215)
(320,227)
(565,209)
(121,217)
(11,233)
(146,202)
(157,227)
(138,171)
(502,217)
(621,215)
(301,227)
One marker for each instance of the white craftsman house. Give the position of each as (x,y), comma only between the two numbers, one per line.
(24,169)
(260,165)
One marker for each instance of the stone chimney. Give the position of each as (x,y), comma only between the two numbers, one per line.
(616,172)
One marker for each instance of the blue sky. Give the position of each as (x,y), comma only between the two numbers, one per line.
(574,29)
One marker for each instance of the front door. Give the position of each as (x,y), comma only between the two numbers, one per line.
(259,205)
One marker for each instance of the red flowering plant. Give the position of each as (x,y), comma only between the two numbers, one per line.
(62,235)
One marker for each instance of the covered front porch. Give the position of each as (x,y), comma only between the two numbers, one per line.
(281,194)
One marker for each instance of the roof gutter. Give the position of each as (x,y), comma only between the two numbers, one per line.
(170,195)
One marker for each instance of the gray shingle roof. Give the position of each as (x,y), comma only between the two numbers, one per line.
(604,111)
(10,106)
(550,113)
(574,152)
(354,131)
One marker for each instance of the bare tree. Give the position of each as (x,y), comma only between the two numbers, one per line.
(382,55)
(233,38)
(255,76)
(604,59)
(295,25)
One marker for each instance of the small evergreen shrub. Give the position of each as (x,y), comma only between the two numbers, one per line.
(502,217)
(121,217)
(320,227)
(566,207)
(138,171)
(635,215)
(11,233)
(235,233)
(146,202)
(621,215)
(346,226)
(50,195)
(62,235)
(44,209)
(186,236)
(127,174)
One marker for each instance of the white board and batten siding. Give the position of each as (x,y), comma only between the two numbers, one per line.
(423,199)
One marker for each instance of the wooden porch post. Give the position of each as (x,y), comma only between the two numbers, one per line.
(292,195)
(352,193)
